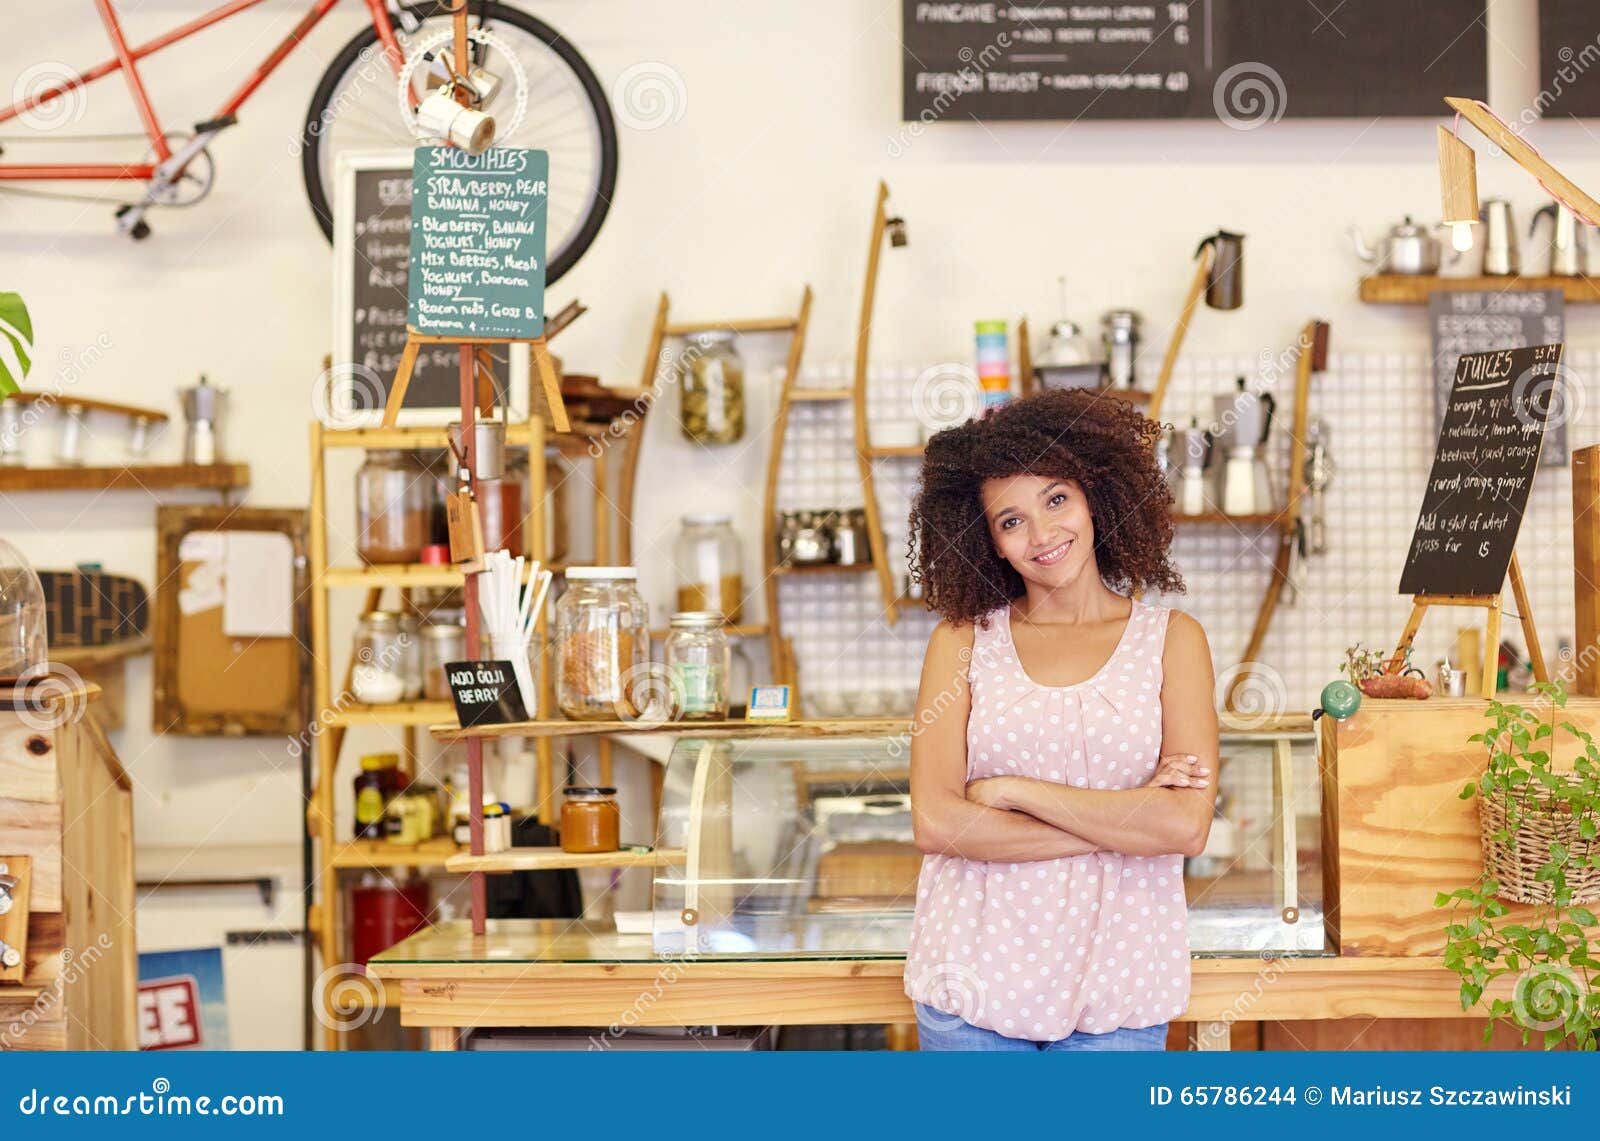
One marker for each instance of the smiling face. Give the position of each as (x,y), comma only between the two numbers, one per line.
(1041,526)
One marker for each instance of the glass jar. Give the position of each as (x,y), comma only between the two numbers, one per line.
(698,665)
(602,644)
(706,556)
(22,620)
(590,820)
(376,784)
(440,644)
(740,679)
(379,674)
(411,656)
(391,508)
(711,389)
(500,506)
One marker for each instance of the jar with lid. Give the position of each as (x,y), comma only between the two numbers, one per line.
(602,644)
(22,615)
(441,643)
(500,507)
(376,784)
(698,665)
(708,566)
(379,676)
(711,389)
(590,820)
(391,508)
(410,657)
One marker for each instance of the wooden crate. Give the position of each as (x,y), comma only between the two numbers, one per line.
(1395,831)
(66,805)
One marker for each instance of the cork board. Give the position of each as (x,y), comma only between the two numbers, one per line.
(211,679)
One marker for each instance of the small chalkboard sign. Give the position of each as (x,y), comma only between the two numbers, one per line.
(478,242)
(485,693)
(1478,320)
(1482,473)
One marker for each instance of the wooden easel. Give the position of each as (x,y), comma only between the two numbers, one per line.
(478,346)
(1491,641)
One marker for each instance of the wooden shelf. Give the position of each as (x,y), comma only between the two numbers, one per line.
(1261,519)
(399,713)
(840,727)
(132,477)
(805,395)
(879,451)
(403,575)
(1413,289)
(823,568)
(747,325)
(433,853)
(554,859)
(421,436)
(89,657)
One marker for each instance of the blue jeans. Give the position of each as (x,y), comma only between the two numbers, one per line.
(937,1030)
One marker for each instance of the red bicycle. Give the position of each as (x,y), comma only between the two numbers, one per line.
(356,106)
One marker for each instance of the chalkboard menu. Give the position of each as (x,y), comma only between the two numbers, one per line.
(1246,62)
(1569,50)
(1476,321)
(478,242)
(1482,473)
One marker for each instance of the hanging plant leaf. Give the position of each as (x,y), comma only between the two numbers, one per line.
(16,343)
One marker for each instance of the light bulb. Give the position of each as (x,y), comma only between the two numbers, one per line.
(1461,236)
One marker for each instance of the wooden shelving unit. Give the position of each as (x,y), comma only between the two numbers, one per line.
(1413,289)
(383,854)
(133,477)
(555,859)
(833,727)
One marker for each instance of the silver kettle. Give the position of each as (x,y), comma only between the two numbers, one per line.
(1408,248)
(1569,244)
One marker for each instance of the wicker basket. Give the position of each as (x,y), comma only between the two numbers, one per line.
(1544,822)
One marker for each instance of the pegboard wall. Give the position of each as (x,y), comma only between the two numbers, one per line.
(1381,436)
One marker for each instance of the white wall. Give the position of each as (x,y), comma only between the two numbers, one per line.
(789,115)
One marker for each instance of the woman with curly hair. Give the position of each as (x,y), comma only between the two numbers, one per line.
(1065,736)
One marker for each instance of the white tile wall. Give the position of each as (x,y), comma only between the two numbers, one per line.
(1382,436)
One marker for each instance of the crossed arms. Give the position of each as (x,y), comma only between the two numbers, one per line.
(1018,818)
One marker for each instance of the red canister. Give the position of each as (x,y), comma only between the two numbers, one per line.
(382,915)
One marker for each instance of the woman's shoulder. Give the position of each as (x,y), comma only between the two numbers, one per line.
(1183,632)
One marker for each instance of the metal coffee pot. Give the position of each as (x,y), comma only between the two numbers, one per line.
(1499,239)
(1569,243)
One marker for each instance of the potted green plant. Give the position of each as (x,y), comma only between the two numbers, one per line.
(16,343)
(1539,826)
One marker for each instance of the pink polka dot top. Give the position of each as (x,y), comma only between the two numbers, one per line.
(1043,948)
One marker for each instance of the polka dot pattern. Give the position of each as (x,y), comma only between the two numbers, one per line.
(1048,947)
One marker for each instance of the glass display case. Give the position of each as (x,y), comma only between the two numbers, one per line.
(793,845)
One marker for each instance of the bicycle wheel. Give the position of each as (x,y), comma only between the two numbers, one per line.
(568,116)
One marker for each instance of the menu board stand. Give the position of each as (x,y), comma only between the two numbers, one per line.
(537,349)
(1491,640)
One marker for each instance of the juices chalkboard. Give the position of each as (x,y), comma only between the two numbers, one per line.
(1482,472)
(478,242)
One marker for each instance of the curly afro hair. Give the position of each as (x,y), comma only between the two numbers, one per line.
(1101,441)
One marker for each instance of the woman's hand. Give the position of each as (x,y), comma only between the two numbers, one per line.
(990,792)
(1177,770)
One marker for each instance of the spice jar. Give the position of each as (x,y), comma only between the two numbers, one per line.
(440,644)
(391,508)
(698,664)
(500,508)
(379,676)
(376,784)
(602,644)
(707,560)
(711,387)
(590,821)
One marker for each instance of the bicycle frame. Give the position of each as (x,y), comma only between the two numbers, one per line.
(126,59)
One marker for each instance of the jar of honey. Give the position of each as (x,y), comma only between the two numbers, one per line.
(590,821)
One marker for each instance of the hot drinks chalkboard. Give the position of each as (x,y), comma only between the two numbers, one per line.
(1482,472)
(478,242)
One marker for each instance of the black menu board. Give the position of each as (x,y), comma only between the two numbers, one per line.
(380,261)
(1478,320)
(1482,473)
(1569,50)
(1246,62)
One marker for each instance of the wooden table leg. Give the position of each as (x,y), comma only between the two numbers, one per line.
(1210,1035)
(444,1038)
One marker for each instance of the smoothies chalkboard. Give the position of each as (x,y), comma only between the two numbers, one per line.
(1482,472)
(478,242)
